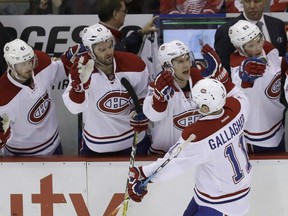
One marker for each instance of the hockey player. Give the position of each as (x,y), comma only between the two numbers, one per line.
(223,172)
(27,112)
(96,91)
(169,103)
(256,68)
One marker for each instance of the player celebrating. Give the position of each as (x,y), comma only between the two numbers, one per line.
(255,67)
(169,103)
(96,91)
(27,112)
(223,173)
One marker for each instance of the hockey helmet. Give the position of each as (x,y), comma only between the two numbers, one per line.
(17,51)
(94,34)
(170,50)
(242,32)
(209,92)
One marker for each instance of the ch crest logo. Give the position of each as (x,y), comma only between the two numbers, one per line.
(274,88)
(184,119)
(40,109)
(114,102)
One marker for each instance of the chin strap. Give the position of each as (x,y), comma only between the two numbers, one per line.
(15,74)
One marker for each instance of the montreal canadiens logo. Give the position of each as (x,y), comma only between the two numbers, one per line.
(184,119)
(274,88)
(114,102)
(40,109)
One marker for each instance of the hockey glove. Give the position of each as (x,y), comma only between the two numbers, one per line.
(69,57)
(138,121)
(5,130)
(164,86)
(81,72)
(214,67)
(251,69)
(136,190)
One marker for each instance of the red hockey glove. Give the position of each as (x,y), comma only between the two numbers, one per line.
(164,86)
(214,67)
(250,70)
(5,130)
(136,190)
(72,53)
(138,121)
(81,72)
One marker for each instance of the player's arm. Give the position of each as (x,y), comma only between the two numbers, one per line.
(213,68)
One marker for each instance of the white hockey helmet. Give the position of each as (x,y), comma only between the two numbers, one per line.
(242,32)
(171,50)
(94,34)
(17,51)
(209,92)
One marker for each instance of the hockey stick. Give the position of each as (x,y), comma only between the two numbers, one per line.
(138,108)
(174,152)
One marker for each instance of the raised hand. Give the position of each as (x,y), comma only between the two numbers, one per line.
(135,189)
(138,121)
(214,67)
(164,86)
(80,72)
(5,130)
(69,57)
(250,70)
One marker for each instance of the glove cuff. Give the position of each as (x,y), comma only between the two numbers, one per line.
(246,84)
(158,105)
(77,97)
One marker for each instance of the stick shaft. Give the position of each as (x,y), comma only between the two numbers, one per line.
(138,108)
(173,154)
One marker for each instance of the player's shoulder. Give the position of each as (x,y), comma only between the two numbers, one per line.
(7,90)
(268,47)
(236,59)
(126,62)
(232,106)
(43,61)
(207,126)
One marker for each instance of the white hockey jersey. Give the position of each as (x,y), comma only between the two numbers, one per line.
(34,125)
(107,104)
(264,125)
(168,124)
(223,170)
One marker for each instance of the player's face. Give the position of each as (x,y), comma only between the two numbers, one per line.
(181,66)
(254,48)
(24,70)
(254,8)
(104,52)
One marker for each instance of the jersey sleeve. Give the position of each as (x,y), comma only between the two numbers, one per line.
(148,108)
(73,106)
(191,155)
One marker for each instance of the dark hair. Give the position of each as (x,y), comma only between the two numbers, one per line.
(105,9)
